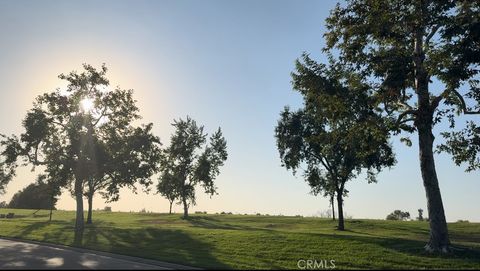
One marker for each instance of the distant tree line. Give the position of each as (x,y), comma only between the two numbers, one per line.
(37,195)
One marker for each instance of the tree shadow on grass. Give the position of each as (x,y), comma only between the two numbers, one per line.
(169,245)
(207,222)
(61,232)
(178,246)
(365,227)
(413,247)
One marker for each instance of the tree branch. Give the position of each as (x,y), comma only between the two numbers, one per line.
(59,123)
(464,105)
(403,114)
(432,33)
(325,164)
(34,160)
(436,101)
(404,104)
(101,116)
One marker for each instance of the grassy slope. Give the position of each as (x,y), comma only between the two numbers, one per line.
(240,242)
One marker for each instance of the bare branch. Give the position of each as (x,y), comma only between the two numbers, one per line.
(406,120)
(464,105)
(432,33)
(400,119)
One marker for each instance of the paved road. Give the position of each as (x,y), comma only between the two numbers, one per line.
(27,255)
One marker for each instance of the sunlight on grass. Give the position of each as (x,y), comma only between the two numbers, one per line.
(259,242)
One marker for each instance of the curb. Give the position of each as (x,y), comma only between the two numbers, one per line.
(160,264)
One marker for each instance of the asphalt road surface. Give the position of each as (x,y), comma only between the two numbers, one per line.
(27,255)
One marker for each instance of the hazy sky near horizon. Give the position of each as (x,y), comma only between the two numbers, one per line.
(224,63)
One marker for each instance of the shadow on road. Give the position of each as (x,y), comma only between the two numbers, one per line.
(19,255)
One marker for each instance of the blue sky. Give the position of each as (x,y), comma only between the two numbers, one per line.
(225,63)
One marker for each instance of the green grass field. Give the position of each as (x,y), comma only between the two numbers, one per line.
(260,242)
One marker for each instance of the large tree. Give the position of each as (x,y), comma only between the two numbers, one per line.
(190,161)
(400,47)
(337,134)
(85,132)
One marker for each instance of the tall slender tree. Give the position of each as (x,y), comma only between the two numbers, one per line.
(189,161)
(167,187)
(337,134)
(400,47)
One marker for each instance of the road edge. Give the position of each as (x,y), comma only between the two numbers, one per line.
(106,254)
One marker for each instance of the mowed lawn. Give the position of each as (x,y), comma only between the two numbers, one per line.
(260,242)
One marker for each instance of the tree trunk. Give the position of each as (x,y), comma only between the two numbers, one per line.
(79,220)
(90,205)
(170,212)
(439,240)
(51,205)
(185,208)
(332,202)
(341,223)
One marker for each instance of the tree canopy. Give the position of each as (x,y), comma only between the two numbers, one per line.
(38,195)
(85,132)
(189,161)
(167,187)
(338,132)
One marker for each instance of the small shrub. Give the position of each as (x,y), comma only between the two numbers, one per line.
(107,209)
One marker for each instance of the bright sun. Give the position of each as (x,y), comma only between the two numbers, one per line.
(87,104)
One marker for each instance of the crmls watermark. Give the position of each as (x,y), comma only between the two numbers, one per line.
(314,264)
